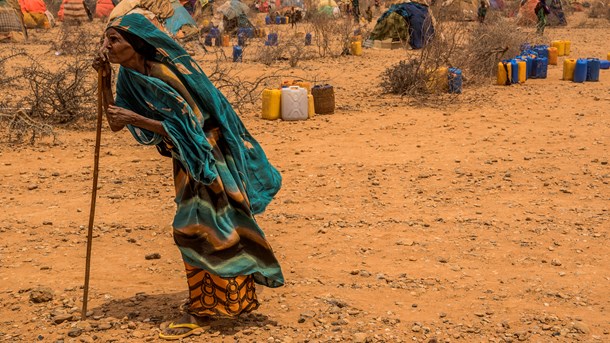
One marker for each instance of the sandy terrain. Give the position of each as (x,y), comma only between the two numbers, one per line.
(480,220)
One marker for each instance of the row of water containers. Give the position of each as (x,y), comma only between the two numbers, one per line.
(583,69)
(277,20)
(294,101)
(519,69)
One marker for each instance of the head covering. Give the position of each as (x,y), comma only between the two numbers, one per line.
(155,99)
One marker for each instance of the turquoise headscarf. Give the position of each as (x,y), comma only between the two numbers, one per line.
(153,98)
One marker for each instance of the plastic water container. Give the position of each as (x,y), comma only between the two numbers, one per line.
(593,67)
(294,103)
(522,70)
(282,20)
(514,76)
(208,39)
(604,64)
(504,73)
(567,47)
(608,57)
(215,32)
(287,20)
(272,39)
(568,69)
(438,81)
(553,56)
(542,50)
(226,40)
(455,80)
(278,20)
(560,46)
(356,48)
(308,38)
(529,61)
(580,71)
(271,104)
(311,110)
(303,84)
(267,20)
(237,53)
(324,99)
(542,65)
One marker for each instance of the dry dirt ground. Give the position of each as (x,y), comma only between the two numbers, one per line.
(484,219)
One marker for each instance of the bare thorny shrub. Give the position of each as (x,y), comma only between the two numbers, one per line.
(475,49)
(62,95)
(332,36)
(600,9)
(291,49)
(16,125)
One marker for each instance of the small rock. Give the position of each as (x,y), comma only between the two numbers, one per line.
(153,256)
(556,263)
(47,222)
(60,318)
(41,295)
(360,337)
(75,332)
(32,187)
(416,328)
(581,327)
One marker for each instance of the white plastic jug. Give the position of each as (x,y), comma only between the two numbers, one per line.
(294,103)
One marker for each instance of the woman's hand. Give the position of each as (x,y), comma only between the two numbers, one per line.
(118,117)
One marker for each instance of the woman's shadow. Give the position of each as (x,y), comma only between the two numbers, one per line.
(159,308)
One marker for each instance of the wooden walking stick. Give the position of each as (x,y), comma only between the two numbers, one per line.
(96,163)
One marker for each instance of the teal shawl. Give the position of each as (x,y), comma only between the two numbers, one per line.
(153,98)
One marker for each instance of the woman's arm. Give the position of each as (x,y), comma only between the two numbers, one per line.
(118,117)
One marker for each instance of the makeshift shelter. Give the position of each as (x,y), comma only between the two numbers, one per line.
(12,27)
(74,11)
(496,4)
(328,7)
(465,10)
(234,15)
(169,16)
(527,16)
(410,21)
(103,8)
(35,14)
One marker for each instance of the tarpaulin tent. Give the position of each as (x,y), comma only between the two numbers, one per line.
(409,20)
(234,15)
(169,16)
(461,9)
(527,16)
(11,21)
(35,14)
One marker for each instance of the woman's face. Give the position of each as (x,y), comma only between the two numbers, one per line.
(119,50)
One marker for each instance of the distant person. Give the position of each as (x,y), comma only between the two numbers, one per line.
(356,10)
(482,11)
(368,14)
(542,11)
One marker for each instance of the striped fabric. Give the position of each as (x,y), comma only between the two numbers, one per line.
(10,21)
(74,10)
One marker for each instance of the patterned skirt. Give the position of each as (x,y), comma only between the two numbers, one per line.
(215,296)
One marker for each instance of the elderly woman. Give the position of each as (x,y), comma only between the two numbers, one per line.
(221,175)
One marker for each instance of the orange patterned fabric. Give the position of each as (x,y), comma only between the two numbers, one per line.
(215,296)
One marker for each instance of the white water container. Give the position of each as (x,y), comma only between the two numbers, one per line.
(294,103)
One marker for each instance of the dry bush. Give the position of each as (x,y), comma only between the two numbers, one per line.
(76,40)
(16,126)
(291,49)
(488,44)
(62,96)
(475,49)
(600,9)
(331,36)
